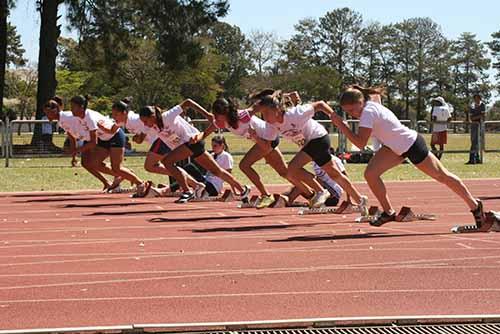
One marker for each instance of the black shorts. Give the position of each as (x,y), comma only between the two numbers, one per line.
(159,147)
(197,149)
(117,141)
(275,143)
(319,150)
(418,152)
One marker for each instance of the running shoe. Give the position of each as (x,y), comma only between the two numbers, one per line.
(186,197)
(246,191)
(320,198)
(383,218)
(265,201)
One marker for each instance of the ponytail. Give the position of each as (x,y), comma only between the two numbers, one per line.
(357,93)
(149,111)
(273,99)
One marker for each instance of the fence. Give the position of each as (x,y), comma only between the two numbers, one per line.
(16,137)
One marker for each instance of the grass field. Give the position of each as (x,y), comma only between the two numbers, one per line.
(55,173)
(237,144)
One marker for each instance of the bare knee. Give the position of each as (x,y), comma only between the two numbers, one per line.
(370,175)
(244,166)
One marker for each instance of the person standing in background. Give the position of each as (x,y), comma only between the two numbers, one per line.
(476,117)
(440,118)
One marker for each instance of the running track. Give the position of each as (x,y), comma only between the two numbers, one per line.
(92,259)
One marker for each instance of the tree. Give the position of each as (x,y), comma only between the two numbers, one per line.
(339,31)
(264,49)
(495,52)
(15,51)
(470,66)
(235,50)
(304,48)
(5,6)
(49,34)
(21,85)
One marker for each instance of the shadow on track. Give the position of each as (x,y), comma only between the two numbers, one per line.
(373,235)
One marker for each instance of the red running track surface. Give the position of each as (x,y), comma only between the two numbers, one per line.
(87,259)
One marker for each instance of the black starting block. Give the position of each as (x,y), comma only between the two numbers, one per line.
(491,224)
(250,204)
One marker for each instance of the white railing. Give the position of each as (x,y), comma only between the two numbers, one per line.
(9,149)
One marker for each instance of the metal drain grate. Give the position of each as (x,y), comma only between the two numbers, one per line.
(415,329)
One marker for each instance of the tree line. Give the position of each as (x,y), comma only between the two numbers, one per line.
(163,51)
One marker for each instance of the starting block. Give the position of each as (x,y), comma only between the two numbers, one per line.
(373,213)
(279,202)
(347,208)
(120,190)
(227,196)
(251,204)
(491,224)
(407,215)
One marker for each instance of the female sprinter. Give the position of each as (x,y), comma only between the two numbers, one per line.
(240,123)
(185,141)
(132,122)
(106,139)
(297,124)
(399,143)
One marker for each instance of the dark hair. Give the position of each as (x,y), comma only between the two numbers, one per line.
(80,100)
(120,106)
(477,95)
(272,98)
(358,93)
(58,100)
(51,104)
(221,140)
(227,108)
(149,111)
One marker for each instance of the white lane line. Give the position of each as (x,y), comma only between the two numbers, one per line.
(465,246)
(255,272)
(252,295)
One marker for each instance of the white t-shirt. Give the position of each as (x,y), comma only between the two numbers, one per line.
(333,188)
(136,126)
(225,161)
(176,130)
(247,121)
(387,128)
(442,113)
(71,125)
(90,121)
(299,126)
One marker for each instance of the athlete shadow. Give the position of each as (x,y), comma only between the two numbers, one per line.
(42,195)
(489,198)
(374,235)
(104,205)
(51,200)
(199,219)
(252,228)
(129,213)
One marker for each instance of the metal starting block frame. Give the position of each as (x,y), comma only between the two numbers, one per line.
(227,196)
(251,204)
(343,208)
(491,224)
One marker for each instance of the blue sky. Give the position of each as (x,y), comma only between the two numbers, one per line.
(280,16)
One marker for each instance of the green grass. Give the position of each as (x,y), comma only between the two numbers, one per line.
(55,173)
(238,144)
